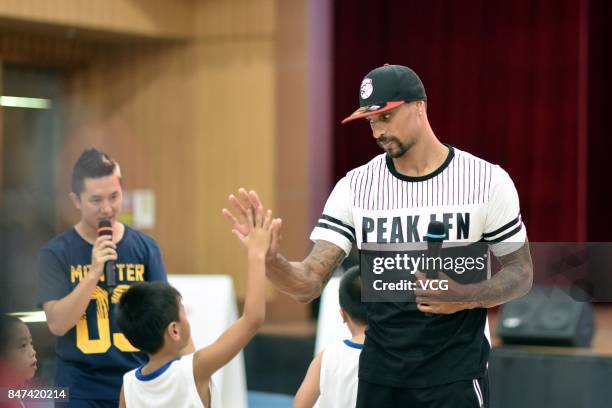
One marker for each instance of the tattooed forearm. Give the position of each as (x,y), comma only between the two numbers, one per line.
(507,284)
(327,257)
(305,280)
(512,281)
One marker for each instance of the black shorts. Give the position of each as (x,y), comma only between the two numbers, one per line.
(460,394)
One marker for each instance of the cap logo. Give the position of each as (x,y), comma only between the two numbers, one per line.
(366,88)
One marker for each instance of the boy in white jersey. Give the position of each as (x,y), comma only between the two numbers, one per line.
(153,319)
(331,380)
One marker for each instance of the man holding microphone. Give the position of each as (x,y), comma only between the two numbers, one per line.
(431,352)
(77,297)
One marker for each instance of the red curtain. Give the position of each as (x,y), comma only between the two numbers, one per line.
(599,124)
(506,81)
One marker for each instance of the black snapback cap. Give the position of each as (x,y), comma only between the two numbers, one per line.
(385,88)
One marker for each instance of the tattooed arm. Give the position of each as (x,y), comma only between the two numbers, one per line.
(512,281)
(305,280)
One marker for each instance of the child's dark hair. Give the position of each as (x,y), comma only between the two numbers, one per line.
(92,164)
(7,326)
(350,295)
(145,311)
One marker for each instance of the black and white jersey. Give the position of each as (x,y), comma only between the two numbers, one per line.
(374,203)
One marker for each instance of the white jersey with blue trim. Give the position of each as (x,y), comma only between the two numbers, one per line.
(172,385)
(338,379)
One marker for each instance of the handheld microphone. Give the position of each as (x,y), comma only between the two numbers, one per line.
(436,234)
(105,228)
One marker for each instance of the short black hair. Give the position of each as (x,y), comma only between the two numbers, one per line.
(145,311)
(350,295)
(7,325)
(92,163)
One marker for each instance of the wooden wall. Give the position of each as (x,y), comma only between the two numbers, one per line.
(192,119)
(146,18)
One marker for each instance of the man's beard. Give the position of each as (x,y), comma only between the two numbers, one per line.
(397,152)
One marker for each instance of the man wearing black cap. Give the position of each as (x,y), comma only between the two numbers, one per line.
(434,352)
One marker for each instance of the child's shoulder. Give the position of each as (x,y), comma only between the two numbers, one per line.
(342,347)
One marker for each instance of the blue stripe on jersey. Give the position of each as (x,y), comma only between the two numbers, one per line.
(153,375)
(353,344)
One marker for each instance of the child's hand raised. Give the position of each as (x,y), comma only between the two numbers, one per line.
(258,239)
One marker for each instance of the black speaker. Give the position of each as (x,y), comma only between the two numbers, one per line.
(546,316)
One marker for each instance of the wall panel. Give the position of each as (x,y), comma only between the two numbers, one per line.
(148,18)
(192,120)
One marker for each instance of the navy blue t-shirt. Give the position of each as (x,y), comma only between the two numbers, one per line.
(93,356)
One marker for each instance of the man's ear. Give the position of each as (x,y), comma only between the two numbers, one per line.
(422,106)
(76,200)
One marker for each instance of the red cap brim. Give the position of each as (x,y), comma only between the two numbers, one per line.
(363,112)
